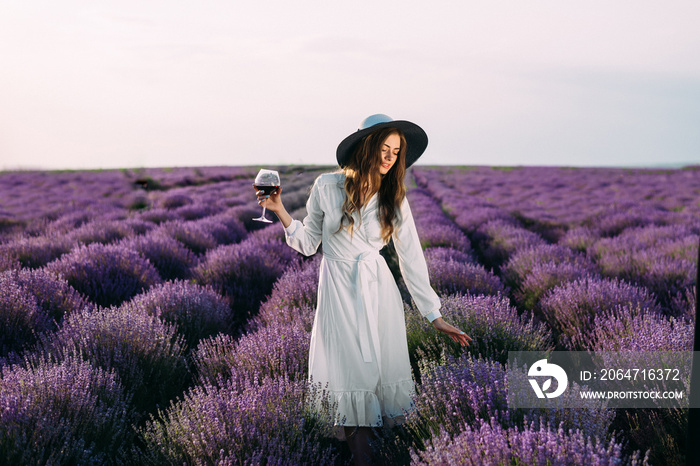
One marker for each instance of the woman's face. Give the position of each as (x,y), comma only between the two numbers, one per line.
(389,152)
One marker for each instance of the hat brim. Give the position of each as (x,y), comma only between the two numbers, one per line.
(416,141)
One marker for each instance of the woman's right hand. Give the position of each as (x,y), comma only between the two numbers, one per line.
(273,202)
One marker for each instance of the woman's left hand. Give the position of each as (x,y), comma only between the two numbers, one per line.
(453,332)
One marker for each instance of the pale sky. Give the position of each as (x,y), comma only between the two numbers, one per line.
(111,84)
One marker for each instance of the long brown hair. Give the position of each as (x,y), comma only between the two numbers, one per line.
(362,178)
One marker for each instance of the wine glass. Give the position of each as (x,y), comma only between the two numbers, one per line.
(267,181)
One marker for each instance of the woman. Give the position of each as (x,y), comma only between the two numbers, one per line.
(358,342)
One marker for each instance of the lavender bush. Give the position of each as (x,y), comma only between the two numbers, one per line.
(197,211)
(54,296)
(8,263)
(242,422)
(198,311)
(493,324)
(70,220)
(21,318)
(195,238)
(614,220)
(277,350)
(158,215)
(633,329)
(35,252)
(64,413)
(470,217)
(498,240)
(488,442)
(146,353)
(170,257)
(664,259)
(580,238)
(452,276)
(108,275)
(175,199)
(571,308)
(533,271)
(293,297)
(245,272)
(460,390)
(224,228)
(101,231)
(435,229)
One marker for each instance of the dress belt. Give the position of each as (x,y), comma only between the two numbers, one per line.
(365,314)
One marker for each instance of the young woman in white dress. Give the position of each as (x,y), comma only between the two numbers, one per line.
(358,342)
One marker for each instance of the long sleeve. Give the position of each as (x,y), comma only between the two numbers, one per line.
(413,266)
(305,237)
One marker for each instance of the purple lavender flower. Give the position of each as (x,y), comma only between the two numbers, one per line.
(197,211)
(245,272)
(21,318)
(7,262)
(293,297)
(487,441)
(470,217)
(633,329)
(101,231)
(197,310)
(545,276)
(224,228)
(147,353)
(533,271)
(684,304)
(173,200)
(459,391)
(242,422)
(571,308)
(169,256)
(34,252)
(664,259)
(158,215)
(54,296)
(70,221)
(522,262)
(138,225)
(277,350)
(455,277)
(613,221)
(108,275)
(434,227)
(195,238)
(498,240)
(580,238)
(493,324)
(63,413)
(271,232)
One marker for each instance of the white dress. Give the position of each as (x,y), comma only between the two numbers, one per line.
(358,341)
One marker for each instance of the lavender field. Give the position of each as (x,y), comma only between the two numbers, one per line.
(145,319)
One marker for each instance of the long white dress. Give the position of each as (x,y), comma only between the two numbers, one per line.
(358,341)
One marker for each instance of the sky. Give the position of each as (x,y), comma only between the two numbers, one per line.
(116,84)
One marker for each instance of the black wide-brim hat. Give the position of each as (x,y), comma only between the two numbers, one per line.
(416,139)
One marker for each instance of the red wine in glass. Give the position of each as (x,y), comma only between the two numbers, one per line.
(266,181)
(266,190)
